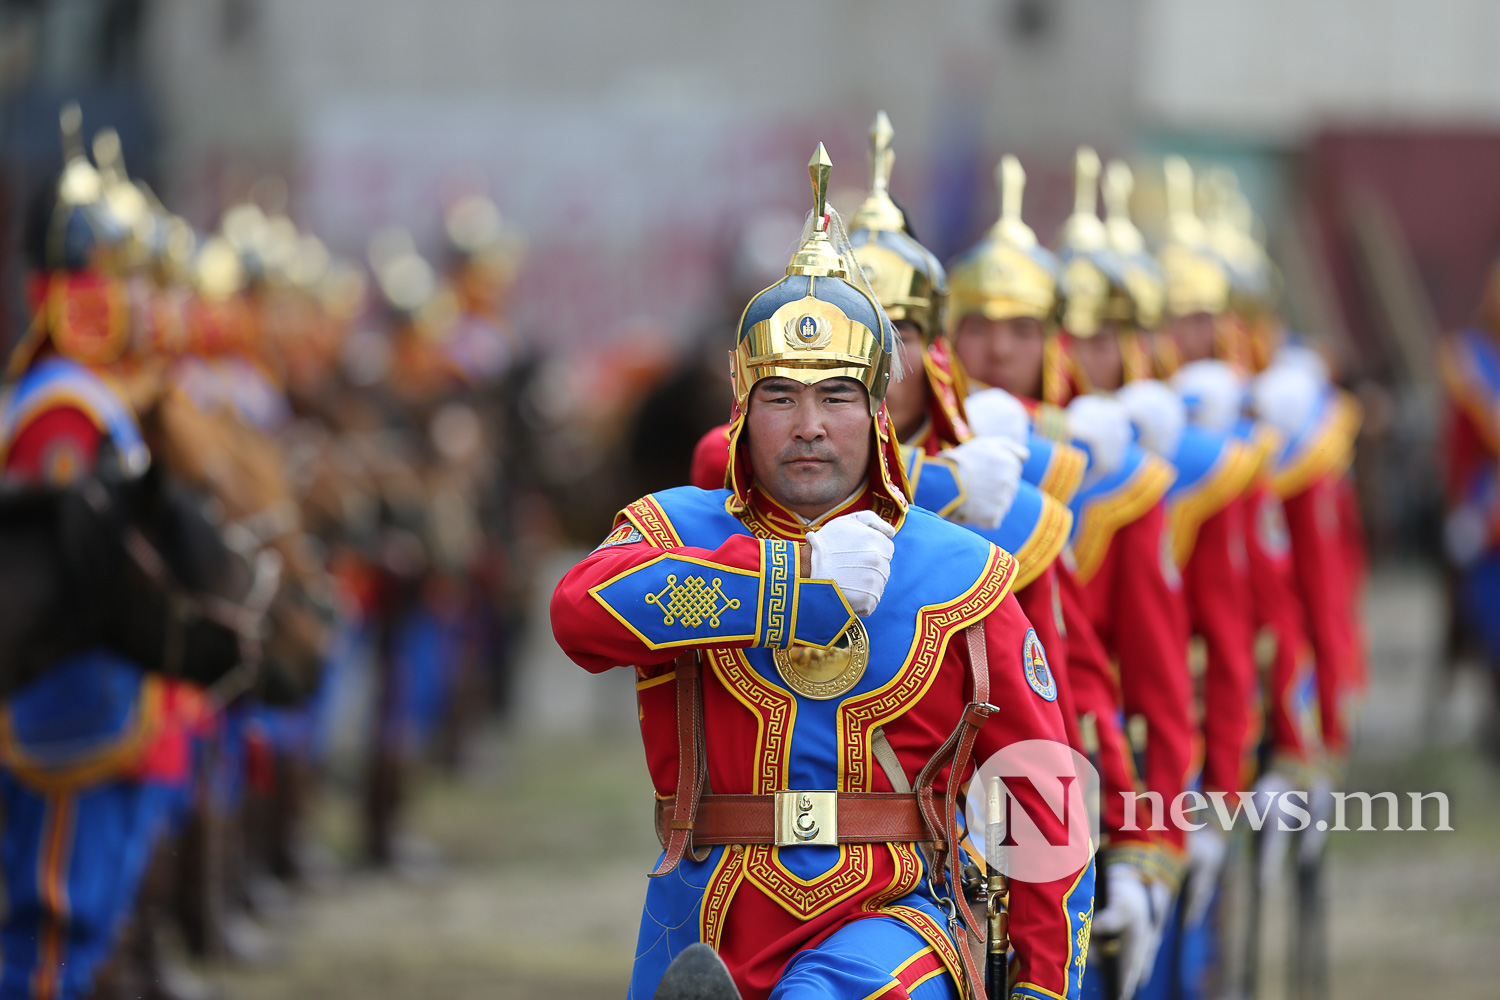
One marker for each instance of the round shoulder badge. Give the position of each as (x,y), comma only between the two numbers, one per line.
(1034,661)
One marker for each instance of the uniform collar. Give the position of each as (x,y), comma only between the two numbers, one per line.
(768,519)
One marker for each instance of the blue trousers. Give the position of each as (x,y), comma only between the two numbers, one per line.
(73,861)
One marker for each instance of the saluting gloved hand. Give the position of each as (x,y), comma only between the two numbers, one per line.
(996,413)
(854,551)
(990,468)
(1128,916)
(1206,849)
(1102,425)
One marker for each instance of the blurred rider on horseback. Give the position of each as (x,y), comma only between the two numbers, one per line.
(94,756)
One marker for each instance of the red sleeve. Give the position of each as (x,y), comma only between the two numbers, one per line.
(1318,564)
(1464,454)
(1217,588)
(56,446)
(1045,917)
(711,459)
(632,601)
(1135,602)
(1356,568)
(1278,613)
(1096,691)
(1041,603)
(594,638)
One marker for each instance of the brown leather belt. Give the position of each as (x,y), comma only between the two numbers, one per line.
(801,818)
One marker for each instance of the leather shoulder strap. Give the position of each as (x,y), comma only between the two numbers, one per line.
(690,762)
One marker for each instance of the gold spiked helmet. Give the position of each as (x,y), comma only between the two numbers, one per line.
(1094,291)
(1007,275)
(1196,279)
(1229,226)
(904,275)
(821,321)
(80,225)
(1142,275)
(816,323)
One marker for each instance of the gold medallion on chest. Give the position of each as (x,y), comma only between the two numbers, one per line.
(826,673)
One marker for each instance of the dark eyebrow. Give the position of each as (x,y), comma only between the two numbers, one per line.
(775,384)
(841,386)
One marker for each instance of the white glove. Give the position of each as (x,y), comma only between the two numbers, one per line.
(996,413)
(1102,426)
(854,551)
(1129,917)
(1304,357)
(1213,392)
(1157,413)
(1286,397)
(1206,850)
(990,470)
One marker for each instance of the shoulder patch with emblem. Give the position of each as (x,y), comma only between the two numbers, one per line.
(1034,661)
(625,534)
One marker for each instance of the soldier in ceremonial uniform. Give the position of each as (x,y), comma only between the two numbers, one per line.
(1205,517)
(951,471)
(1471,375)
(768,722)
(1002,314)
(94,757)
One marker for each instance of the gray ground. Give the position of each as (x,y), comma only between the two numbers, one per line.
(546,846)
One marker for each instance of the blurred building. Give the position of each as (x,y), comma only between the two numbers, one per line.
(635,142)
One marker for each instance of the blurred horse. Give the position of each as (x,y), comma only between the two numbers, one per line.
(244,471)
(132,564)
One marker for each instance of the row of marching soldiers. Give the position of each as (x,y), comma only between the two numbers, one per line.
(1170,467)
(215,512)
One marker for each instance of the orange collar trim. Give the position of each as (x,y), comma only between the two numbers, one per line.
(1229,478)
(1102,518)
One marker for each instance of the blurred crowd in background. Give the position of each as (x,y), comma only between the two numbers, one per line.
(465,276)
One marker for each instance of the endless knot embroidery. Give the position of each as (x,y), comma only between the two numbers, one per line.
(692,601)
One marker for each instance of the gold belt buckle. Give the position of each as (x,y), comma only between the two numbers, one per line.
(807,818)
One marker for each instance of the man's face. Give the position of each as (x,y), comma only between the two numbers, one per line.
(1003,352)
(906,400)
(1194,336)
(809,444)
(1099,357)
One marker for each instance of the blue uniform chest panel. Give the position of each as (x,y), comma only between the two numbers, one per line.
(1104,490)
(1038,461)
(937,487)
(935,562)
(1197,454)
